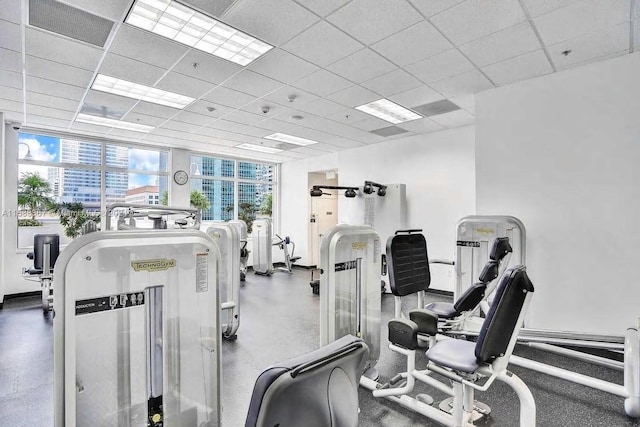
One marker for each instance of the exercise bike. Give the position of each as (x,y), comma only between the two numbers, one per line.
(289,259)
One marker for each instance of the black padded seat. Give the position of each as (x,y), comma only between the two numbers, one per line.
(317,389)
(408,263)
(456,354)
(446,310)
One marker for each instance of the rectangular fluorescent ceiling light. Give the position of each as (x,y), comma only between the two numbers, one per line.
(389,111)
(177,22)
(283,137)
(260,148)
(104,121)
(137,91)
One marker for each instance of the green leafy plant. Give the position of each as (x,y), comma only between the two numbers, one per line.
(164,198)
(28,222)
(33,194)
(73,216)
(267,205)
(198,200)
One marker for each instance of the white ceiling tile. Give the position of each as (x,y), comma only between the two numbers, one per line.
(322,83)
(322,44)
(591,46)
(324,107)
(433,7)
(223,137)
(208,7)
(50,70)
(473,19)
(88,128)
(209,68)
(252,83)
(7,105)
(523,67)
(129,69)
(184,85)
(354,96)
(126,134)
(180,126)
(11,60)
(103,99)
(462,84)
(540,7)
(12,94)
(48,87)
(349,117)
(49,112)
(322,7)
(201,107)
(155,110)
(454,119)
(10,35)
(281,96)
(585,16)
(61,49)
(417,42)
(229,97)
(275,109)
(372,20)
(636,39)
(393,83)
(239,128)
(467,101)
(9,11)
(48,122)
(192,118)
(11,79)
(112,9)
(414,97)
(243,117)
(282,66)
(361,66)
(438,67)
(146,47)
(502,45)
(421,126)
(253,17)
(143,119)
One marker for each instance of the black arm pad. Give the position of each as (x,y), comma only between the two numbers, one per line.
(501,247)
(489,272)
(426,320)
(403,333)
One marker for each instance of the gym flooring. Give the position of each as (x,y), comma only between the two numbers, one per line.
(278,320)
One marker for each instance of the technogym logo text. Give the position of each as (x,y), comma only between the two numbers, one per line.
(153,264)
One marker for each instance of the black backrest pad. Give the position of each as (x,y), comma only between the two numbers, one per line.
(489,272)
(501,247)
(408,264)
(500,322)
(319,388)
(39,240)
(470,299)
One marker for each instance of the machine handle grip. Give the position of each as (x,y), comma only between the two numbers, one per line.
(409,231)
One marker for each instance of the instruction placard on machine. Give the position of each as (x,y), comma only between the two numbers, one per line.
(109,302)
(469,244)
(347,265)
(202,272)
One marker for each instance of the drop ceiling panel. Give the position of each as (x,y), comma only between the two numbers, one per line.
(9,11)
(57,72)
(11,79)
(253,17)
(504,44)
(54,113)
(591,46)
(413,44)
(454,119)
(129,69)
(155,110)
(10,35)
(12,94)
(143,119)
(47,122)
(322,44)
(200,107)
(115,102)
(462,84)
(275,110)
(433,7)
(540,7)
(372,20)
(393,83)
(126,134)
(243,117)
(192,118)
(209,68)
(223,137)
(10,60)
(213,8)
(146,47)
(322,7)
(91,129)
(281,96)
(473,19)
(11,106)
(61,49)
(239,128)
(324,107)
(322,83)
(48,87)
(523,67)
(419,96)
(467,101)
(51,101)
(112,9)
(361,66)
(252,83)
(184,85)
(229,97)
(421,126)
(283,66)
(585,16)
(182,127)
(438,67)
(349,117)
(354,96)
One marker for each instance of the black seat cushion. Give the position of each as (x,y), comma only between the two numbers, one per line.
(458,355)
(408,264)
(446,310)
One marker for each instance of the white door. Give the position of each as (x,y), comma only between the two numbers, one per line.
(324,216)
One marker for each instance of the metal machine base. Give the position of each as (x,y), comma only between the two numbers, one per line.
(480,410)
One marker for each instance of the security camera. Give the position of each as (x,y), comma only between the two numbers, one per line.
(265,109)
(16,126)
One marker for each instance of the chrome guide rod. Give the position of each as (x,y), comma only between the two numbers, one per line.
(359,297)
(154,344)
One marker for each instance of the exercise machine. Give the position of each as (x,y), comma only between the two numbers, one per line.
(143,217)
(46,249)
(350,280)
(261,237)
(228,241)
(241,226)
(289,258)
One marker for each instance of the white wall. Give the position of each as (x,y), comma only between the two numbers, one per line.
(562,153)
(437,168)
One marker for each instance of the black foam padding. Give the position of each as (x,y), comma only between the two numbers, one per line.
(503,315)
(408,264)
(403,333)
(489,272)
(39,240)
(470,299)
(444,310)
(501,247)
(426,321)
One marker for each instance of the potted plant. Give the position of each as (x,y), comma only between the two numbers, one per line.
(73,216)
(33,194)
